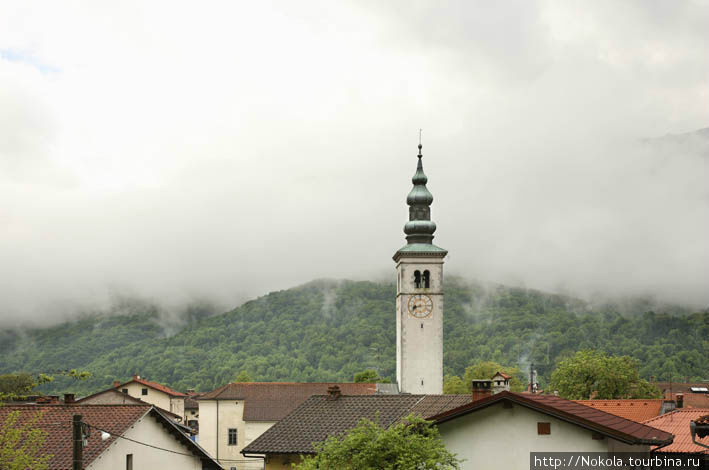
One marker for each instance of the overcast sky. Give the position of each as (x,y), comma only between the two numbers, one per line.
(223,150)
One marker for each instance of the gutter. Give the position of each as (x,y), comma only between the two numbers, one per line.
(693,430)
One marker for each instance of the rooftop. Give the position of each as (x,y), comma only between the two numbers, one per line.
(587,417)
(694,395)
(153,385)
(634,410)
(272,401)
(677,423)
(56,421)
(321,416)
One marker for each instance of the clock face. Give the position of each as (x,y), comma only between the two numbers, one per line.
(420,305)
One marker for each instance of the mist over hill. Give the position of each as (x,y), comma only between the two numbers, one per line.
(327,330)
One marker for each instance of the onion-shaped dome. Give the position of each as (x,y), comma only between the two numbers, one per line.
(419,228)
(426,227)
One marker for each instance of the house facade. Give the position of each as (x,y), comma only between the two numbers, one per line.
(501,431)
(233,416)
(154,393)
(117,436)
(498,431)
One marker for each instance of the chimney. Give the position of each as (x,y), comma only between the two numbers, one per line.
(136,376)
(116,383)
(652,379)
(68,398)
(680,400)
(190,391)
(481,389)
(334,392)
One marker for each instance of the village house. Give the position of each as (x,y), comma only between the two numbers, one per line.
(232,416)
(192,410)
(685,394)
(501,382)
(321,416)
(154,393)
(112,396)
(497,431)
(677,423)
(117,436)
(501,430)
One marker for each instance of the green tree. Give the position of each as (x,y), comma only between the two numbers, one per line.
(413,444)
(594,374)
(482,371)
(16,384)
(21,442)
(243,377)
(452,384)
(369,376)
(486,369)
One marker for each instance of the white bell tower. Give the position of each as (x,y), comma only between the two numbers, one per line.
(419,297)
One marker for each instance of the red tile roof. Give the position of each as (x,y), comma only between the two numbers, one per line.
(272,401)
(56,420)
(504,376)
(153,385)
(677,422)
(634,410)
(690,399)
(596,420)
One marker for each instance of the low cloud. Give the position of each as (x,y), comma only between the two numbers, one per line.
(274,144)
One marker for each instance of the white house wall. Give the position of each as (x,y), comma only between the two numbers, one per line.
(214,435)
(149,431)
(497,437)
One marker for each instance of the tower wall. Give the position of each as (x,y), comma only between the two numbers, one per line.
(419,339)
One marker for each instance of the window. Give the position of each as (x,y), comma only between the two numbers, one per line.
(125,390)
(417,279)
(144,391)
(232,437)
(543,428)
(426,279)
(129,461)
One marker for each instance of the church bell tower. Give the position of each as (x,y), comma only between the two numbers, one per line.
(419,296)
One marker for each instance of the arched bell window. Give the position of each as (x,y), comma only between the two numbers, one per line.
(426,279)
(417,279)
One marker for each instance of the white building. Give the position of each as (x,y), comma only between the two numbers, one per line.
(501,431)
(154,393)
(234,415)
(117,437)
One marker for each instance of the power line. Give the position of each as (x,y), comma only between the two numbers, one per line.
(163,449)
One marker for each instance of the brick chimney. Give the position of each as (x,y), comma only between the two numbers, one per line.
(481,389)
(334,392)
(116,383)
(680,400)
(136,376)
(68,398)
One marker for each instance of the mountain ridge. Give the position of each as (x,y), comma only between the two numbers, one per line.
(326,330)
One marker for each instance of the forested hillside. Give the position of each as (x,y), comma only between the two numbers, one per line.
(328,330)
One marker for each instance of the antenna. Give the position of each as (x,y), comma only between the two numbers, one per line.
(420,130)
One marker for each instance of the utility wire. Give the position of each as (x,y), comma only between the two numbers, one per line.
(161,448)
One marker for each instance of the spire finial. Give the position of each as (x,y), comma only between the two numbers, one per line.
(420,146)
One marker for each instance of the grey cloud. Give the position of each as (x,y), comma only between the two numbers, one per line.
(230,162)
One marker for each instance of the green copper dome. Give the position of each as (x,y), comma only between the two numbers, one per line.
(419,228)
